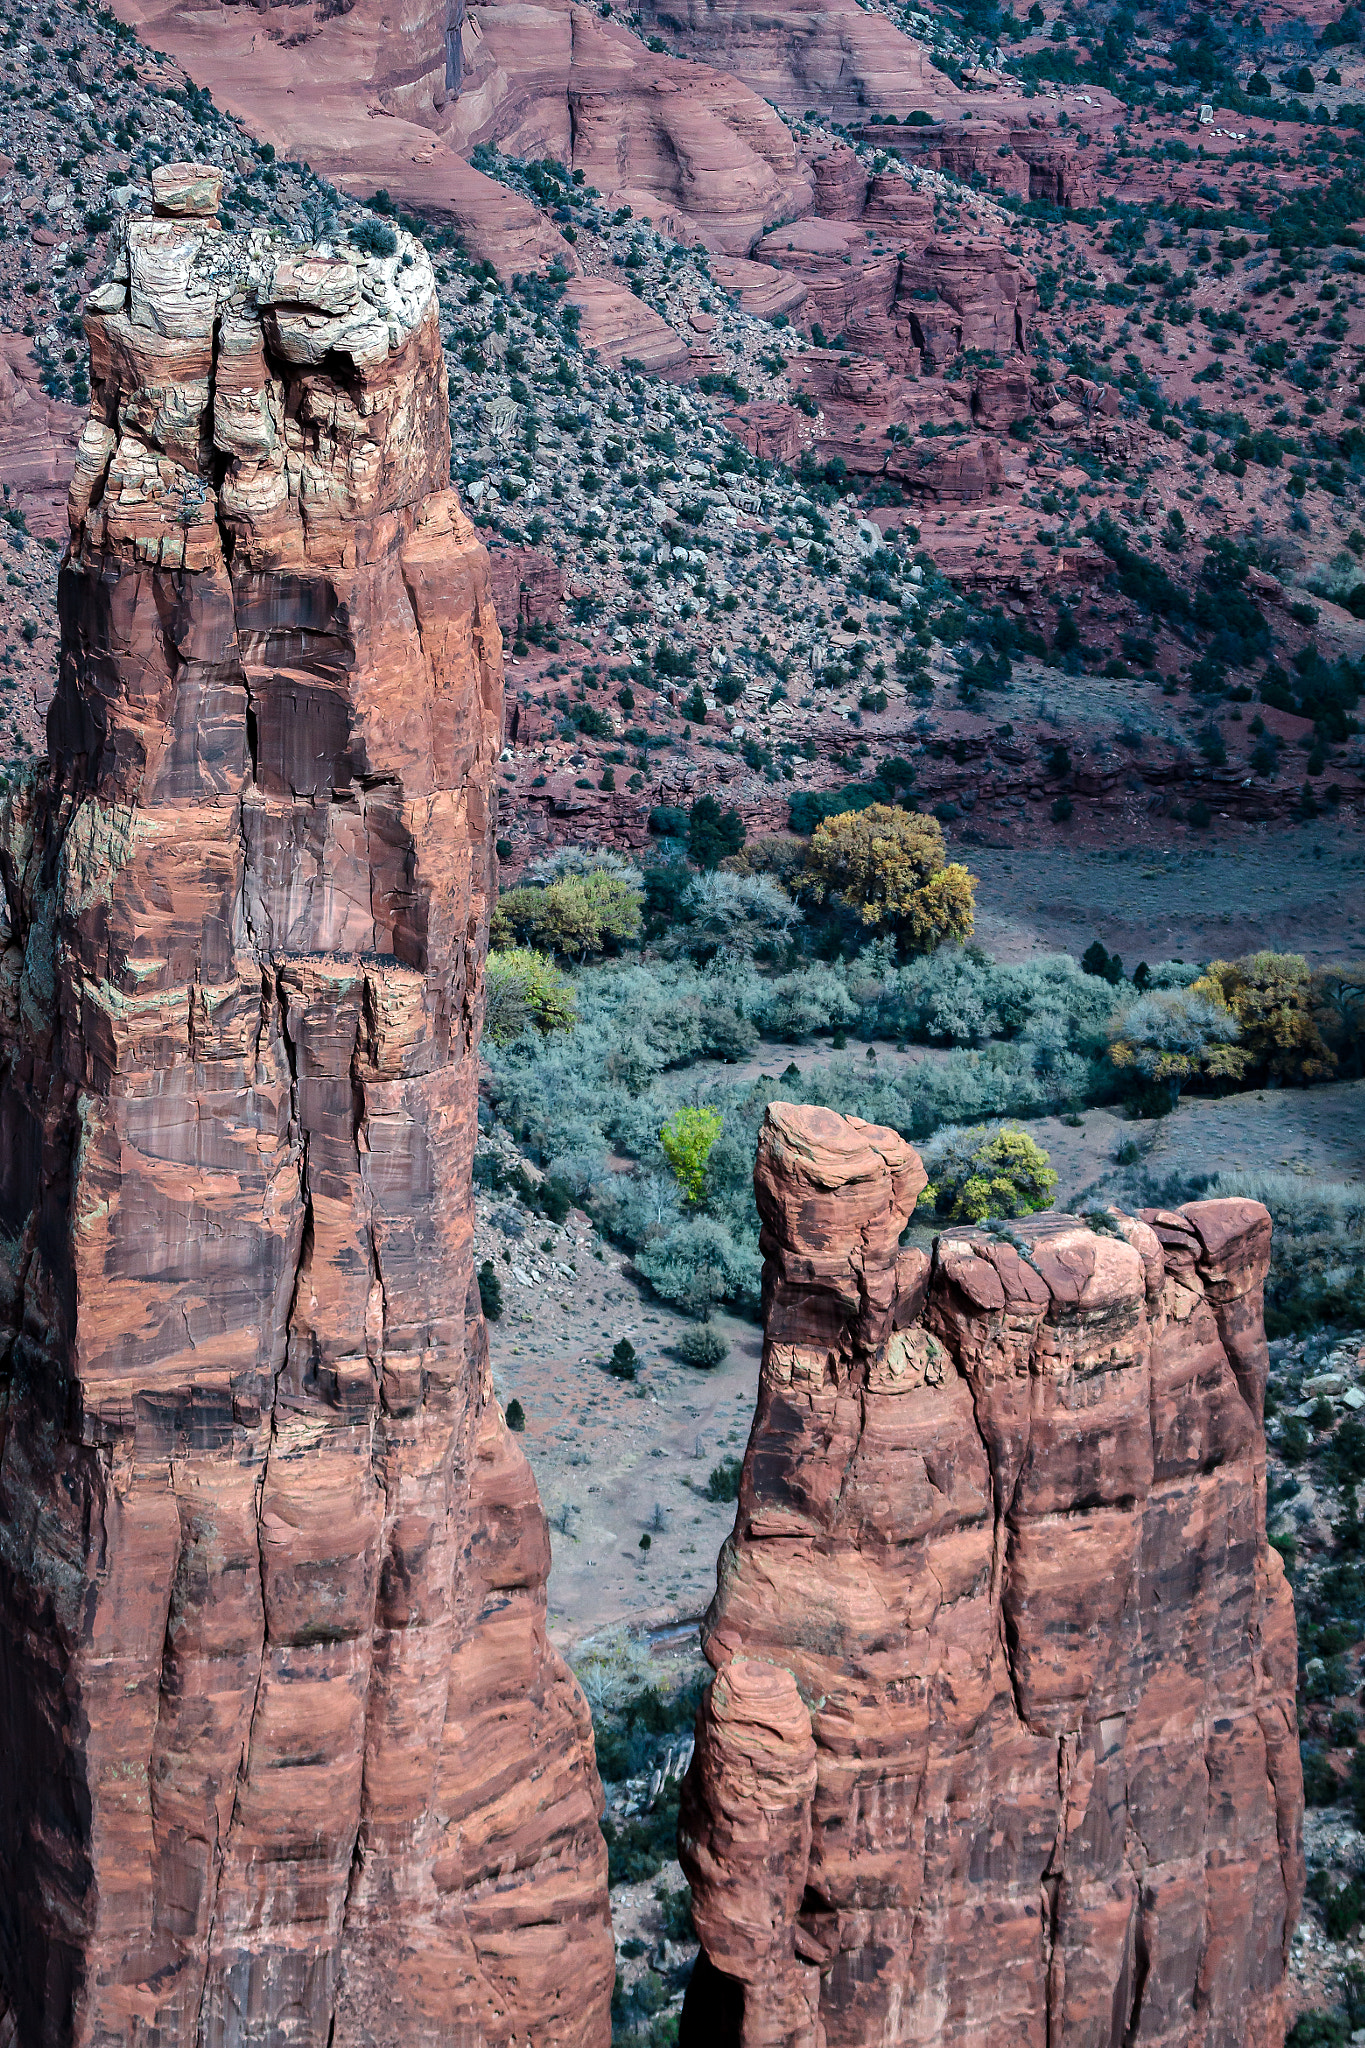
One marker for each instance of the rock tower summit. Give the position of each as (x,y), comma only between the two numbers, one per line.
(1002,1743)
(288,1758)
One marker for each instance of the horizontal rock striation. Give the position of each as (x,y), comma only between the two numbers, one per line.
(1002,1742)
(287,1756)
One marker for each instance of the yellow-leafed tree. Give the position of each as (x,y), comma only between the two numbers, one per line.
(1273,998)
(888,867)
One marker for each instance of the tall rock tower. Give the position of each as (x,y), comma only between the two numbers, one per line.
(1001,1746)
(287,1757)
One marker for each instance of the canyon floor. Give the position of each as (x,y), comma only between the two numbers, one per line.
(615,1461)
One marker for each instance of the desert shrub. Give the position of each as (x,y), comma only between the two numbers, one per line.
(515,1415)
(958,996)
(713,834)
(780,855)
(726,1033)
(806,1000)
(888,867)
(702,1346)
(1169,1037)
(731,914)
(1317,1253)
(584,860)
(1172,974)
(624,1360)
(637,1207)
(1316,2029)
(374,237)
(1339,1010)
(978,1173)
(675,1912)
(1321,1785)
(723,1485)
(700,1263)
(524,990)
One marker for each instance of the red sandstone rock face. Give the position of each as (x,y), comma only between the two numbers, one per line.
(1000,1559)
(37,435)
(694,148)
(287,1756)
(830,54)
(526,584)
(1027,158)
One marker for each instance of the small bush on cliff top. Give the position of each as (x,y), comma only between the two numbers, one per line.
(374,238)
(979,1173)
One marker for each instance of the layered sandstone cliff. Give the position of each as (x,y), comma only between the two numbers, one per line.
(287,1756)
(1002,1741)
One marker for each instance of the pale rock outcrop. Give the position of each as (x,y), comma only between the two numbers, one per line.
(1000,1560)
(288,1758)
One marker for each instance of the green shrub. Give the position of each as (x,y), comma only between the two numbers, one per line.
(374,238)
(515,1415)
(712,834)
(702,1346)
(675,1912)
(1318,2030)
(723,1485)
(524,989)
(1321,1786)
(490,1292)
(624,1360)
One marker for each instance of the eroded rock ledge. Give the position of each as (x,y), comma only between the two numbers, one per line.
(1002,1742)
(287,1758)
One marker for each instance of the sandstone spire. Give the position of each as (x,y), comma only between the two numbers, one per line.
(287,1756)
(1002,1746)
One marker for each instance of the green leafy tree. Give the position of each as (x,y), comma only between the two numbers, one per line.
(490,1292)
(1106,966)
(523,988)
(1339,1007)
(574,916)
(713,835)
(687,1140)
(982,1172)
(888,866)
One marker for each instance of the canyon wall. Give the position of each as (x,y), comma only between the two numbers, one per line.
(288,1758)
(1002,1743)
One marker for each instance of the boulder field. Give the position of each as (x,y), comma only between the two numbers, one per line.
(1001,1744)
(288,1758)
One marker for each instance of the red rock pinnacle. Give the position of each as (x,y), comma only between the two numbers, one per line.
(1002,1746)
(287,1757)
